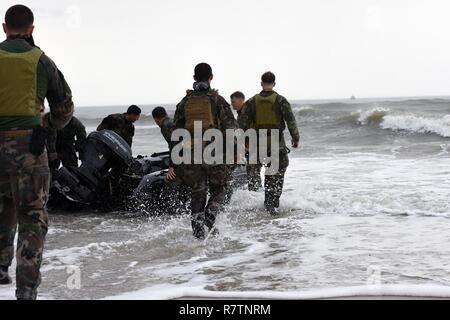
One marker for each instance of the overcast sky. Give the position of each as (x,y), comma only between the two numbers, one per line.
(141,51)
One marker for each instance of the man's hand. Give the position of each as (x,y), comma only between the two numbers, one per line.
(295,144)
(171,174)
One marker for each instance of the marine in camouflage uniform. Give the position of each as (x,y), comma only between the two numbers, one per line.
(167,127)
(273,184)
(120,125)
(164,122)
(67,142)
(201,178)
(24,171)
(253,170)
(240,117)
(237,102)
(232,168)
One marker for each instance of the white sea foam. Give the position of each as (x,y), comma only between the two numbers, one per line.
(364,184)
(339,217)
(177,292)
(60,258)
(9,293)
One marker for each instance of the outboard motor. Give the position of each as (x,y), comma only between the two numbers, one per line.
(104,151)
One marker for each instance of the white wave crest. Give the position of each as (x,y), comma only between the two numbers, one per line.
(372,116)
(305,110)
(418,124)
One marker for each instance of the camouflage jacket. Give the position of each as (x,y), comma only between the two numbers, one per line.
(120,125)
(224,117)
(166,129)
(241,118)
(248,116)
(51,85)
(63,140)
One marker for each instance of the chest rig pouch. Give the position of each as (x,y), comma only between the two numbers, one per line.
(268,114)
(200,108)
(18,84)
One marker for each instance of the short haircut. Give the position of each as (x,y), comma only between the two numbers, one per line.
(238,95)
(159,112)
(202,72)
(134,110)
(19,18)
(268,77)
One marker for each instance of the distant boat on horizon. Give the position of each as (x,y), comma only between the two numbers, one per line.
(352,98)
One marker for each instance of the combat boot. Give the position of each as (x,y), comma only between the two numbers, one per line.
(26,294)
(198,225)
(272,204)
(5,279)
(210,220)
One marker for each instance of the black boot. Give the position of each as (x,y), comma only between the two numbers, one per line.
(5,279)
(272,204)
(210,220)
(198,225)
(26,294)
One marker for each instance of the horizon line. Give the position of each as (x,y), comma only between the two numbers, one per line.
(294,100)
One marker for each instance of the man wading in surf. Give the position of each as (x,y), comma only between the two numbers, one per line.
(270,111)
(203,106)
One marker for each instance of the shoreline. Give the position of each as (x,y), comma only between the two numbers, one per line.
(369,292)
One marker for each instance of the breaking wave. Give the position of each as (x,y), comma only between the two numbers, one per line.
(373,116)
(418,124)
(305,111)
(383,118)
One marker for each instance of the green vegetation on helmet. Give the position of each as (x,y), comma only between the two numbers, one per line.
(18,84)
(268,114)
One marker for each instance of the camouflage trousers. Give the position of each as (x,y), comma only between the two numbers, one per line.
(229,183)
(273,184)
(201,179)
(24,184)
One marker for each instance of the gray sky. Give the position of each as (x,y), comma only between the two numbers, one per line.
(141,51)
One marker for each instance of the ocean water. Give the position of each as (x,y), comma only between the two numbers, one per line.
(366,209)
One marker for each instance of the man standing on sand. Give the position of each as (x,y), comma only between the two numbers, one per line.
(27,78)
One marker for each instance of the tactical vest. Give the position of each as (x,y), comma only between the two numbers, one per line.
(18,84)
(268,113)
(201,107)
